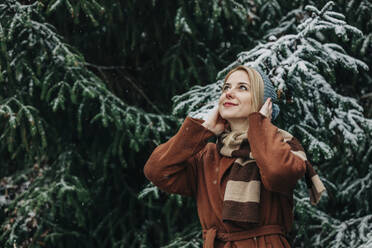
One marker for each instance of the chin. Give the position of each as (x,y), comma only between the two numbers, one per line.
(229,115)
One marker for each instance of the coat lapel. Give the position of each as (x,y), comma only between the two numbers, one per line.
(224,164)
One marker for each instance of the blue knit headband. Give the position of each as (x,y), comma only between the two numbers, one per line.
(269,91)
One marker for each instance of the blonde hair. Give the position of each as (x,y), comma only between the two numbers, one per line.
(257,85)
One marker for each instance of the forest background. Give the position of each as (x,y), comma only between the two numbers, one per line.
(89,88)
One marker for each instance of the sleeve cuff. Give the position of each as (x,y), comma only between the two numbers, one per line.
(256,115)
(197,124)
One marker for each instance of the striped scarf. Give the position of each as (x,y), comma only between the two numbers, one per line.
(242,194)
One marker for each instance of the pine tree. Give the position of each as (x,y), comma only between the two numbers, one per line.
(85,88)
(357,13)
(331,126)
(71,146)
(66,141)
(170,49)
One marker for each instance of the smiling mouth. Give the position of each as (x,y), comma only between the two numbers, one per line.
(226,104)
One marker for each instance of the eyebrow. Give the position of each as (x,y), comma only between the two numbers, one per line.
(239,83)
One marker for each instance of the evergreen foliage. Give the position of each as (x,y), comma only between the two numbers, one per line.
(172,49)
(65,137)
(85,96)
(332,127)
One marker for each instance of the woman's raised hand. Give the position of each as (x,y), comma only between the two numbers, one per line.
(214,122)
(267,108)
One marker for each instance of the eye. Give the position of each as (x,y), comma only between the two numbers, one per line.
(225,87)
(243,87)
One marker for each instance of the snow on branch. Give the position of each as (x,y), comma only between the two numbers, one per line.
(302,69)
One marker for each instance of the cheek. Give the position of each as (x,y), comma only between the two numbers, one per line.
(248,99)
(247,103)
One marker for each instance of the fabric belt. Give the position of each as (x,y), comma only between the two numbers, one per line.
(211,234)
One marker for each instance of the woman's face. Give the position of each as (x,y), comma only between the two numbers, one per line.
(236,98)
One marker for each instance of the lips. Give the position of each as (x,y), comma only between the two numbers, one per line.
(229,104)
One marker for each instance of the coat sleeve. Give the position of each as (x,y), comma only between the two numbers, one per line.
(172,165)
(279,166)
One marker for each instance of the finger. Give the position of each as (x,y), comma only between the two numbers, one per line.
(219,118)
(264,106)
(271,111)
(215,113)
(269,103)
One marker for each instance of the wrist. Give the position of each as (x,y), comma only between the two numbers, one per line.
(206,125)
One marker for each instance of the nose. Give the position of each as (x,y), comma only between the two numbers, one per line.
(229,94)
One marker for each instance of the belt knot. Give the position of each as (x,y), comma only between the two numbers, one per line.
(211,234)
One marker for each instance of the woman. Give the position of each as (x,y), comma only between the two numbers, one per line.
(244,183)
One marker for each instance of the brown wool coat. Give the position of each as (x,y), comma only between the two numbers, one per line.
(186,164)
